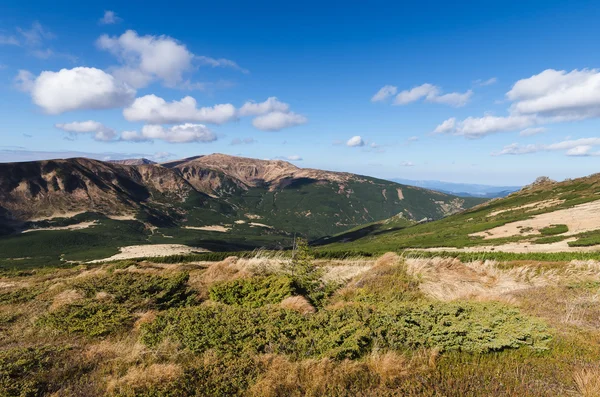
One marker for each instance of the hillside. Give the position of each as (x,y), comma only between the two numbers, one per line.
(216,202)
(545,216)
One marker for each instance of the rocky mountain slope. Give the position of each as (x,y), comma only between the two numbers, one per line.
(546,216)
(216,193)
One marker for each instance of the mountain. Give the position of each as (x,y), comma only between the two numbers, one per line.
(141,161)
(546,216)
(214,201)
(462,189)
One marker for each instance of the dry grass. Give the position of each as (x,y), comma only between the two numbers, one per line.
(65,298)
(299,304)
(140,378)
(587,382)
(449,279)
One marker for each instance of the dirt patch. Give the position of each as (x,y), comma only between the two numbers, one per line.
(154,250)
(260,225)
(78,226)
(579,219)
(124,217)
(213,228)
(518,248)
(530,207)
(56,215)
(400,194)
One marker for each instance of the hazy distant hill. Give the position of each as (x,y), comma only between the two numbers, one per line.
(462,189)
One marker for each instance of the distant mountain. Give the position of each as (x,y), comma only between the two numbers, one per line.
(462,189)
(545,216)
(141,161)
(227,192)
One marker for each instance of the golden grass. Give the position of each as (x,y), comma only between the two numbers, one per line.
(587,382)
(140,378)
(299,304)
(65,298)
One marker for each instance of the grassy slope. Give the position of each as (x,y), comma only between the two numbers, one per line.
(454,230)
(132,329)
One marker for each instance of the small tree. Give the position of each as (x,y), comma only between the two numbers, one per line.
(305,274)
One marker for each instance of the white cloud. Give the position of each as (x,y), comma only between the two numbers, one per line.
(73,89)
(477,127)
(564,95)
(455,99)
(432,93)
(532,131)
(146,58)
(244,141)
(183,133)
(384,93)
(483,83)
(355,141)
(272,104)
(552,96)
(109,18)
(293,157)
(155,110)
(99,130)
(573,147)
(278,120)
(36,35)
(407,164)
(220,63)
(416,93)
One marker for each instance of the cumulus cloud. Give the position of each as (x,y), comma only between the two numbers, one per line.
(183,133)
(147,58)
(432,93)
(74,89)
(384,93)
(276,121)
(272,104)
(100,131)
(571,95)
(244,141)
(572,147)
(477,127)
(355,141)
(552,96)
(272,114)
(155,110)
(109,18)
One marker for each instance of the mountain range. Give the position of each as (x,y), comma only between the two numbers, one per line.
(462,189)
(214,201)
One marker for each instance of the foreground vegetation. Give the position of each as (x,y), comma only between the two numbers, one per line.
(273,325)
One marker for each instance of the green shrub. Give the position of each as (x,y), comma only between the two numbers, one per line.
(586,239)
(553,230)
(253,292)
(349,331)
(89,318)
(21,295)
(25,371)
(139,289)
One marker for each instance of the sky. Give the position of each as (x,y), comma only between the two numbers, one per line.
(487,92)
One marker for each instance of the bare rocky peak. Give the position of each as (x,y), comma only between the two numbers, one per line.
(252,172)
(142,161)
(540,181)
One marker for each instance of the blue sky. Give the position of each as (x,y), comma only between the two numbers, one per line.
(478,91)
